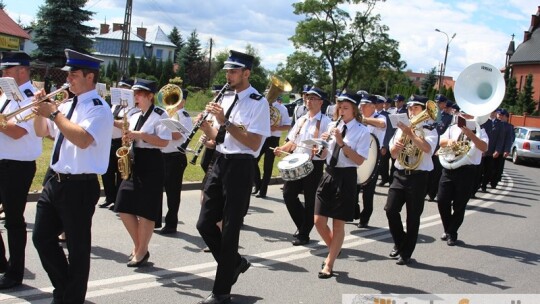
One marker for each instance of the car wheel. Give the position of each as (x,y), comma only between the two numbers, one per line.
(515,158)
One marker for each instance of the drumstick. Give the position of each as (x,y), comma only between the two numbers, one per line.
(274,149)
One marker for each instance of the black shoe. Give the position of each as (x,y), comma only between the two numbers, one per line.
(394,253)
(206,249)
(141,262)
(241,268)
(484,189)
(111,207)
(255,190)
(362,225)
(382,183)
(216,299)
(325,275)
(295,234)
(451,241)
(431,199)
(403,261)
(106,204)
(261,195)
(300,242)
(6,283)
(444,237)
(167,230)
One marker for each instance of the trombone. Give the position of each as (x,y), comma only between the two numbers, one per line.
(4,118)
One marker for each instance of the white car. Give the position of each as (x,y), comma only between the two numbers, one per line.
(526,145)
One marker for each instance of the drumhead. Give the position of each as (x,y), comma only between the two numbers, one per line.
(292,160)
(369,168)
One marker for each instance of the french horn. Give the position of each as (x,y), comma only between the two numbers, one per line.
(277,86)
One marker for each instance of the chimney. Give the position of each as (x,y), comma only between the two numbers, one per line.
(141,32)
(103,28)
(117,27)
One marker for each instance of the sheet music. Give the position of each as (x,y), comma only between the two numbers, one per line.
(403,117)
(471,124)
(11,89)
(118,94)
(175,126)
(101,88)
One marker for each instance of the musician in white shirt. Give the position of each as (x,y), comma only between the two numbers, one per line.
(458,176)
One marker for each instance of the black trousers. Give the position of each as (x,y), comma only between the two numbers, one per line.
(408,190)
(498,170)
(268,165)
(66,206)
(368,193)
(112,179)
(488,171)
(226,195)
(384,167)
(302,214)
(434,177)
(454,193)
(175,164)
(15,181)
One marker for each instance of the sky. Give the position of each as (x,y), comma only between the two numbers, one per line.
(483,28)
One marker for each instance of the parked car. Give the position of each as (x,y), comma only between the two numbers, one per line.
(526,145)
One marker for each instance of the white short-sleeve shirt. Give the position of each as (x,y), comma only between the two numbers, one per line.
(474,157)
(305,128)
(357,138)
(152,125)
(28,147)
(431,136)
(94,115)
(183,117)
(285,119)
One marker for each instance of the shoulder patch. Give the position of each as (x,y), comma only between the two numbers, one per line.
(160,111)
(97,102)
(186,114)
(255,96)
(28,93)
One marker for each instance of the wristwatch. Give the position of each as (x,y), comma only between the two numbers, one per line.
(53,115)
(228,123)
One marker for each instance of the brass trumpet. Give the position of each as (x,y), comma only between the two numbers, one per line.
(4,118)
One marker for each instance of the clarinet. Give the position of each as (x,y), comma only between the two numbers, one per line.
(196,152)
(319,153)
(183,147)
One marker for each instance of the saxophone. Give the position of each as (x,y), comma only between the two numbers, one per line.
(124,153)
(411,156)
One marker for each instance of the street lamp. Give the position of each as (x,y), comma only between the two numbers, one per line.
(443,69)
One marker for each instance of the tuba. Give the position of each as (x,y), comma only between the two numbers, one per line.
(168,97)
(479,90)
(277,85)
(411,156)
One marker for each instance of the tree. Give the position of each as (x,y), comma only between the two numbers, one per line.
(143,66)
(114,70)
(2,4)
(176,38)
(428,82)
(132,65)
(342,41)
(511,95)
(303,68)
(191,60)
(525,102)
(60,25)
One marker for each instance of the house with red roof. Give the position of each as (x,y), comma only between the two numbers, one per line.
(12,36)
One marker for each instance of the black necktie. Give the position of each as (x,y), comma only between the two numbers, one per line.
(335,153)
(4,106)
(56,152)
(220,137)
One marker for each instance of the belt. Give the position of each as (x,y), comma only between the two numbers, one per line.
(61,177)
(236,156)
(411,172)
(116,140)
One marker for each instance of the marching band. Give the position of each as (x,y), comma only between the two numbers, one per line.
(323,157)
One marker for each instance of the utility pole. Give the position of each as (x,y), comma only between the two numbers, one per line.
(443,69)
(210,63)
(124,48)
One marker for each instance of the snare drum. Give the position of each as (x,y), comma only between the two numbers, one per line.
(295,166)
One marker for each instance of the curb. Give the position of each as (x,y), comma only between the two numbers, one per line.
(33,197)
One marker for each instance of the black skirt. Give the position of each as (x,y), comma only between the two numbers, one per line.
(142,193)
(336,194)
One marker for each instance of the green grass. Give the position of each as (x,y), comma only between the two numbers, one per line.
(193,172)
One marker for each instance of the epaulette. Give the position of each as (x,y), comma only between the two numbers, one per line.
(160,111)
(376,115)
(255,96)
(430,126)
(186,114)
(28,93)
(97,102)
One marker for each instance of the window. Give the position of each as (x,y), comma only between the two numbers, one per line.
(159,54)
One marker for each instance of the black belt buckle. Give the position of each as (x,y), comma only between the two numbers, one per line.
(408,172)
(58,177)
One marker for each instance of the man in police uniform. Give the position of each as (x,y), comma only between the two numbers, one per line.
(376,125)
(175,163)
(408,186)
(310,126)
(261,185)
(20,148)
(301,109)
(112,178)
(243,122)
(82,129)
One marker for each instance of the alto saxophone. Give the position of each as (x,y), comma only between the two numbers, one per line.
(123,153)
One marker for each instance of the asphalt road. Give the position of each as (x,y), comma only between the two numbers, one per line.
(498,253)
